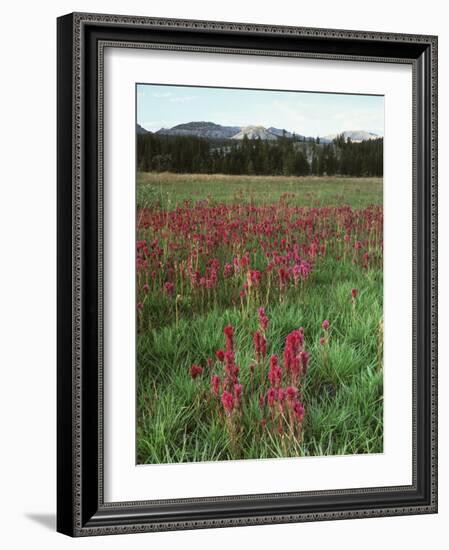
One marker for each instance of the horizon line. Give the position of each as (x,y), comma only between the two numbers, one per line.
(260,125)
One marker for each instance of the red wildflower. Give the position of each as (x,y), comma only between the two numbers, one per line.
(215,384)
(195,370)
(260,345)
(220,355)
(325,324)
(229,335)
(281,396)
(298,409)
(271,396)
(263,319)
(169,288)
(275,372)
(253,278)
(228,270)
(292,393)
(365,260)
(304,360)
(244,261)
(238,390)
(227,400)
(293,347)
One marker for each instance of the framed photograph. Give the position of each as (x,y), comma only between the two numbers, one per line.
(247,278)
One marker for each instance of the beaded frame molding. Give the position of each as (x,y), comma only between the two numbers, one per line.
(82,37)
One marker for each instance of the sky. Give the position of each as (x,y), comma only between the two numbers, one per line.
(305,113)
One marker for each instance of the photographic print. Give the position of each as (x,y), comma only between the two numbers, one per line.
(247,274)
(259,273)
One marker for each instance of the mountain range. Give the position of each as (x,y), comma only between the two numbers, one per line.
(201,129)
(211,130)
(354,135)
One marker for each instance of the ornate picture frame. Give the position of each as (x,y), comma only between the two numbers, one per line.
(81,507)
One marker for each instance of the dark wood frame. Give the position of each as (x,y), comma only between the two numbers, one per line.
(81,509)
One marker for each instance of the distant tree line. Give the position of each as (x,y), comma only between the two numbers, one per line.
(285,156)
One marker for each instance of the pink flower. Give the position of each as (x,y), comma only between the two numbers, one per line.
(195,370)
(365,259)
(256,276)
(229,335)
(274,361)
(260,344)
(228,331)
(146,288)
(275,372)
(293,347)
(283,277)
(215,384)
(220,355)
(304,360)
(354,293)
(322,340)
(292,393)
(244,262)
(238,390)
(263,319)
(298,409)
(231,368)
(281,396)
(227,400)
(228,270)
(325,324)
(301,270)
(169,288)
(271,396)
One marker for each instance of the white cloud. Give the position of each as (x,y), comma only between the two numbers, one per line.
(173,97)
(349,120)
(291,115)
(183,99)
(162,95)
(154,125)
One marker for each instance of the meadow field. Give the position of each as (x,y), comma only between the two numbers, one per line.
(259,317)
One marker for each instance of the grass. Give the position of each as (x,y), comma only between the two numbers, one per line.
(343,389)
(173,189)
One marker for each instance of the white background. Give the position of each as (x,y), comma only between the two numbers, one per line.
(125,482)
(27,287)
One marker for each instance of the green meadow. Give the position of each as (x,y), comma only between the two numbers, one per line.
(194,223)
